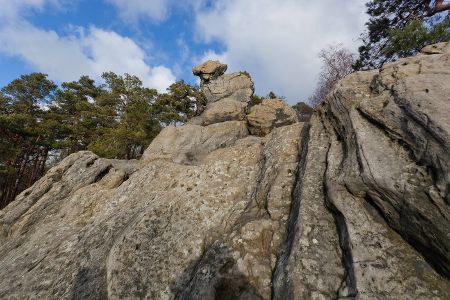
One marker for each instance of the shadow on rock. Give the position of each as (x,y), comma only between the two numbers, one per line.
(216,276)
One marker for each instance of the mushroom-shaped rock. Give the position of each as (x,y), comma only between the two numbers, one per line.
(227,95)
(271,113)
(210,69)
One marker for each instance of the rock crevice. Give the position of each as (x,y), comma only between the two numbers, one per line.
(248,203)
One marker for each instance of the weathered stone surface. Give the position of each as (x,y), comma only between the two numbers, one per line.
(246,255)
(353,205)
(209,70)
(311,264)
(223,110)
(383,140)
(271,113)
(228,95)
(237,86)
(86,234)
(189,144)
(439,48)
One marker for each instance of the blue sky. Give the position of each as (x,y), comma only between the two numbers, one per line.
(277,41)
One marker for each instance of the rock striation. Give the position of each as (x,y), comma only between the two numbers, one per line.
(370,213)
(248,203)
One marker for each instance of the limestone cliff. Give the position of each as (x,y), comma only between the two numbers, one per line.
(247,203)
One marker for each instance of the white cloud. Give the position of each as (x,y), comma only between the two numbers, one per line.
(12,9)
(132,10)
(112,52)
(89,51)
(278,41)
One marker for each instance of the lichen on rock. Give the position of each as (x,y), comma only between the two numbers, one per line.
(249,203)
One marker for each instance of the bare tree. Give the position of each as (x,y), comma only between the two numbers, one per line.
(337,63)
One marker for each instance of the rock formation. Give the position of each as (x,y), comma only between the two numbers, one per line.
(248,203)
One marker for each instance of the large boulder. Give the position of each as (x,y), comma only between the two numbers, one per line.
(228,95)
(209,70)
(169,226)
(226,109)
(269,114)
(152,228)
(352,205)
(238,86)
(439,48)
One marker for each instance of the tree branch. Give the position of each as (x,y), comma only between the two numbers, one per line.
(438,7)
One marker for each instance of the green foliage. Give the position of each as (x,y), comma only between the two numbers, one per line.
(116,119)
(124,118)
(272,95)
(398,28)
(414,36)
(25,137)
(256,100)
(246,74)
(181,102)
(78,118)
(26,93)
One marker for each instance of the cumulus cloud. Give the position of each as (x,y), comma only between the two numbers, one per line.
(278,41)
(110,51)
(12,9)
(132,10)
(85,51)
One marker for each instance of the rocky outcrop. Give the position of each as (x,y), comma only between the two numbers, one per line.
(236,86)
(271,113)
(209,70)
(251,204)
(201,214)
(228,94)
(371,217)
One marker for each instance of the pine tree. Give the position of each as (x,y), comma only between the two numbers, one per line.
(399,28)
(181,102)
(73,105)
(24,131)
(129,106)
(117,119)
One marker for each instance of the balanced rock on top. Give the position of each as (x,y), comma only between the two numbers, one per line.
(210,69)
(228,95)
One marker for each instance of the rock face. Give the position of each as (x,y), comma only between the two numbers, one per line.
(370,215)
(237,86)
(250,204)
(228,95)
(271,113)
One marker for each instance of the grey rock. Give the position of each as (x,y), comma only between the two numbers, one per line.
(383,136)
(228,95)
(89,235)
(271,113)
(353,205)
(237,86)
(189,144)
(209,70)
(223,110)
(311,264)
